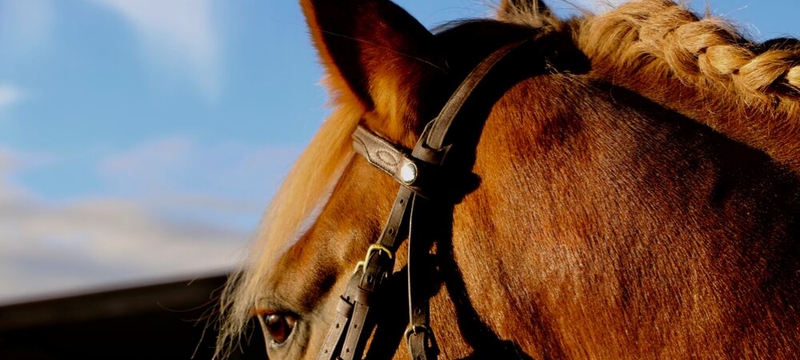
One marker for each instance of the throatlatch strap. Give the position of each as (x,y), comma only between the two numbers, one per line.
(431,148)
(349,333)
(442,123)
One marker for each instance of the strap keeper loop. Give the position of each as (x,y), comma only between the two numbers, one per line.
(344,307)
(362,296)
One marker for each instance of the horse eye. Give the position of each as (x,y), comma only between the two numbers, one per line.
(279,327)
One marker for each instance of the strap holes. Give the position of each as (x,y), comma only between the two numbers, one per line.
(401,201)
(337,325)
(391,231)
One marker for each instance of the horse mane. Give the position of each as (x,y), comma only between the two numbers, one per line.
(699,67)
(661,37)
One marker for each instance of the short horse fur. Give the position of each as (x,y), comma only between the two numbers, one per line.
(633,188)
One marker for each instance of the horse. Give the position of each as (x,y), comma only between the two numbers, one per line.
(623,185)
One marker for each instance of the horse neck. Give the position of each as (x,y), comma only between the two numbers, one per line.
(588,209)
(765,120)
(772,129)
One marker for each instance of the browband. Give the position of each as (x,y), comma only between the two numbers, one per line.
(400,165)
(413,170)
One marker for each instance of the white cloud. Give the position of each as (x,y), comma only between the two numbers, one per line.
(9,95)
(178,164)
(150,164)
(14,161)
(179,35)
(7,162)
(169,214)
(91,242)
(99,242)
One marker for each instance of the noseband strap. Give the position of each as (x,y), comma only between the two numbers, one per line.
(414,170)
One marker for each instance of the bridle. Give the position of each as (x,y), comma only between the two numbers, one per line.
(416,171)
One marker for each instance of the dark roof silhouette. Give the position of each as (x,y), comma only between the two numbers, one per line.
(161,321)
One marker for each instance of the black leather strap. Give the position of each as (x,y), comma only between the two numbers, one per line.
(419,337)
(444,122)
(431,147)
(346,337)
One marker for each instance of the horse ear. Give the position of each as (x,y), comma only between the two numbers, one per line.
(373,50)
(510,9)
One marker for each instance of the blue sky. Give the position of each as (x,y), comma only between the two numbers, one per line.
(142,139)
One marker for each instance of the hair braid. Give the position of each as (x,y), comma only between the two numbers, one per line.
(700,51)
(702,68)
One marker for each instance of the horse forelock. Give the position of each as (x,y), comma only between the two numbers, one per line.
(295,207)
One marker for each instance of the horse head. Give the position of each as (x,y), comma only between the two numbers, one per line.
(601,196)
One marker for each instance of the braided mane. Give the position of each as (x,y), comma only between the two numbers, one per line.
(700,67)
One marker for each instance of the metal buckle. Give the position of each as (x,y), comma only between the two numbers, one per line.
(359,265)
(416,329)
(378,247)
(372,248)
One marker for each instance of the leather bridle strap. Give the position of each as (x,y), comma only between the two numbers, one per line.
(441,125)
(349,332)
(346,339)
(431,148)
